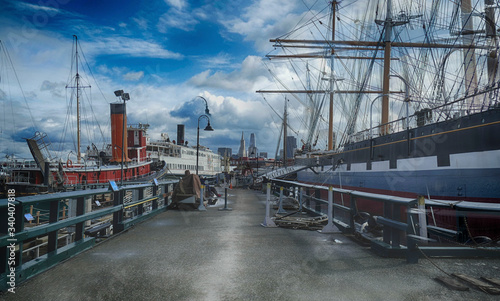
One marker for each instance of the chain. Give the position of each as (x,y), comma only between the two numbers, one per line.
(431,261)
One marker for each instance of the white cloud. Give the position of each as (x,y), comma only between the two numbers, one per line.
(39,8)
(131,47)
(142,23)
(250,75)
(222,60)
(263,20)
(176,18)
(179,4)
(133,76)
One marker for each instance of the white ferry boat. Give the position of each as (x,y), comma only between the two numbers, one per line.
(179,158)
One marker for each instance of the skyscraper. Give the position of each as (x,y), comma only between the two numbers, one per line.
(252,149)
(242,152)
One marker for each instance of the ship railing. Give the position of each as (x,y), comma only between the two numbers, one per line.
(398,228)
(447,111)
(35,243)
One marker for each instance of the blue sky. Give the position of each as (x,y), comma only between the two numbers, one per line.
(164,53)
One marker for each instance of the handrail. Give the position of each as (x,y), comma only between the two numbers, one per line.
(395,225)
(15,234)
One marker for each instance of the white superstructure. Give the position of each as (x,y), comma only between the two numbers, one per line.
(180,158)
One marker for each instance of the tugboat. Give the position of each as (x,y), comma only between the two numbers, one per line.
(125,159)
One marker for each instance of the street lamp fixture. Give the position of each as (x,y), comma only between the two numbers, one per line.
(207,128)
(207,111)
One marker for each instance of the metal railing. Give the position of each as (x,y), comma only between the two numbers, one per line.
(402,222)
(28,248)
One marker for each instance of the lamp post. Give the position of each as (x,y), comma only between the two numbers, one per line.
(207,111)
(124,97)
(207,128)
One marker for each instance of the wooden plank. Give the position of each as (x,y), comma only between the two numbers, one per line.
(481,285)
(494,281)
(451,283)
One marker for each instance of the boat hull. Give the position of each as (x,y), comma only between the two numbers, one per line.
(456,160)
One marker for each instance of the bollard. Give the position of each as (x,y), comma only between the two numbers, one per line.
(330,227)
(268,222)
(202,207)
(280,206)
(225,201)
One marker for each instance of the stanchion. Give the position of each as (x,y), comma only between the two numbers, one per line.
(301,193)
(225,201)
(330,227)
(202,206)
(268,222)
(280,206)
(422,218)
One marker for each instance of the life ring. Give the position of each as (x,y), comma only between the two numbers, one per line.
(69,163)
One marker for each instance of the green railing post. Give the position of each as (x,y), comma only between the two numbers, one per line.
(118,215)
(154,206)
(396,215)
(80,209)
(53,218)
(140,207)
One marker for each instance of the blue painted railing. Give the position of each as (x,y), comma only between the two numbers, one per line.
(31,243)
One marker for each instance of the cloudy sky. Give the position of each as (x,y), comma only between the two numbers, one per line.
(164,53)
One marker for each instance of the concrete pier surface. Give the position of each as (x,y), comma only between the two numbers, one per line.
(227,255)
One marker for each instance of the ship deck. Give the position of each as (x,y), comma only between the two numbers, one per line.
(228,255)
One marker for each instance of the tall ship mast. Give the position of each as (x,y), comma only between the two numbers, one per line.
(412,93)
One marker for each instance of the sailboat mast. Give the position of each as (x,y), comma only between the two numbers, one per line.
(491,32)
(387,68)
(330,114)
(79,154)
(78,86)
(469,54)
(284,136)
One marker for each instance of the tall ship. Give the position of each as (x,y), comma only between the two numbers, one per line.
(398,97)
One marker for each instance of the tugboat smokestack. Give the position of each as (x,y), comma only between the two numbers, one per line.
(118,119)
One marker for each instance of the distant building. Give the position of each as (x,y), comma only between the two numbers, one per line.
(263,155)
(225,151)
(252,149)
(180,134)
(242,152)
(291,146)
